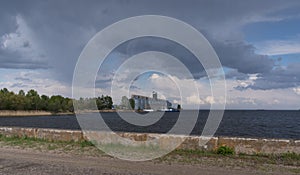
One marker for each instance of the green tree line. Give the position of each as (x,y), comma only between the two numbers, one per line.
(103,102)
(56,103)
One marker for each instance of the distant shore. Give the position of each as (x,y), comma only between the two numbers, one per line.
(11,113)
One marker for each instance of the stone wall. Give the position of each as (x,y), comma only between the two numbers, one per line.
(240,145)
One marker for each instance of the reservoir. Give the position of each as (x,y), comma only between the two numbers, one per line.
(236,123)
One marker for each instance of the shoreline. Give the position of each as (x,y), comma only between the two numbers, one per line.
(9,113)
(12,113)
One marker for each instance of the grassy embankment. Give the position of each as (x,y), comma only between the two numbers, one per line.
(222,157)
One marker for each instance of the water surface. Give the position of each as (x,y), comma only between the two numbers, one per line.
(240,123)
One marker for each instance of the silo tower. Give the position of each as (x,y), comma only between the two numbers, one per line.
(154,94)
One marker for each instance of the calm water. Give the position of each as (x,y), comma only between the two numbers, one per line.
(243,123)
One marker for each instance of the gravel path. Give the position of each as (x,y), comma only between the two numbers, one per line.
(18,161)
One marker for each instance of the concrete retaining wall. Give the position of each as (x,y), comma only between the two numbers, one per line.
(240,145)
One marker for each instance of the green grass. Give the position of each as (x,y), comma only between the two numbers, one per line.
(225,150)
(230,159)
(16,140)
(42,144)
(290,158)
(86,143)
(19,141)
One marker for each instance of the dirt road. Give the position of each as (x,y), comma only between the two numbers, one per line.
(18,161)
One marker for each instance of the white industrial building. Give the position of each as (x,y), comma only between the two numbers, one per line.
(146,103)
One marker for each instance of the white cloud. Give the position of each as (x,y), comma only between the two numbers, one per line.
(21,40)
(176,101)
(297,90)
(20,49)
(154,76)
(261,99)
(275,101)
(27,80)
(194,99)
(250,99)
(210,100)
(253,76)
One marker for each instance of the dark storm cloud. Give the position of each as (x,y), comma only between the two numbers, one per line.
(241,56)
(62,28)
(139,45)
(14,60)
(235,55)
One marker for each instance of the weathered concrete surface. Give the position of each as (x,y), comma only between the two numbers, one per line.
(240,145)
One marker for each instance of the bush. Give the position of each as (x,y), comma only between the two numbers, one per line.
(225,150)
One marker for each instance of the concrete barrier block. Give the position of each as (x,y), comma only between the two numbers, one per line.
(20,132)
(275,146)
(241,145)
(170,141)
(134,136)
(59,135)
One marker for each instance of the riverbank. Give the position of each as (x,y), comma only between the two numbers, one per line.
(23,155)
(10,113)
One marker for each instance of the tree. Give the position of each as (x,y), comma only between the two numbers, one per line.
(34,99)
(179,107)
(100,102)
(56,103)
(21,93)
(70,106)
(4,99)
(104,102)
(132,103)
(108,102)
(125,103)
(44,102)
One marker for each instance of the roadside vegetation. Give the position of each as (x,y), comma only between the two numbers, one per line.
(225,150)
(194,156)
(71,147)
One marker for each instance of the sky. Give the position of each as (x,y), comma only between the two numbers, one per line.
(257,42)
